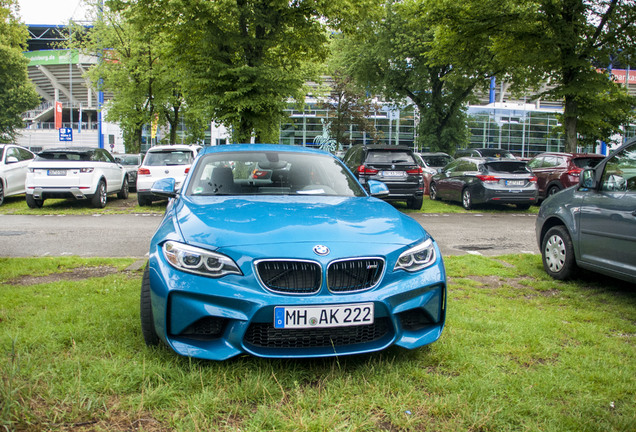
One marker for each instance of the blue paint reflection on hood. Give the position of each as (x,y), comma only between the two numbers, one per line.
(225,221)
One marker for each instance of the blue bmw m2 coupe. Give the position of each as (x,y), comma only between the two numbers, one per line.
(278,251)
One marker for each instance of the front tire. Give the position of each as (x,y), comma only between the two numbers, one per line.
(557,253)
(1,192)
(432,192)
(123,193)
(552,190)
(99,198)
(143,200)
(145,309)
(34,203)
(467,200)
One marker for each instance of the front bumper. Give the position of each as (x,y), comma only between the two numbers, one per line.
(220,318)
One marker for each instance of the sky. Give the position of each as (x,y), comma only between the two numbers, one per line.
(52,12)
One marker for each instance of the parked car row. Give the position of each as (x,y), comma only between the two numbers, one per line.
(83,173)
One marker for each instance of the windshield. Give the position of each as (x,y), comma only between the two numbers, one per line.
(64,155)
(508,167)
(437,161)
(271,173)
(586,162)
(168,158)
(129,159)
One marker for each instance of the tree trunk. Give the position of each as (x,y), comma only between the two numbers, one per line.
(570,114)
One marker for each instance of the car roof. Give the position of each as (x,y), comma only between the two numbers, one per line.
(261,148)
(174,147)
(70,149)
(574,155)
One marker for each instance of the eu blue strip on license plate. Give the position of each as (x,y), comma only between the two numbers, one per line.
(294,317)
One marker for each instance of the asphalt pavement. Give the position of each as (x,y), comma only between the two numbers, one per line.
(129,235)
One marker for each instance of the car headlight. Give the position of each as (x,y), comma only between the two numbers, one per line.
(417,258)
(199,261)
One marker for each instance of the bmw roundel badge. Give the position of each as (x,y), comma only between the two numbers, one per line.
(321,250)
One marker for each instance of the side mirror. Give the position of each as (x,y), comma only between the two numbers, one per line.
(378,189)
(587,179)
(165,187)
(12,159)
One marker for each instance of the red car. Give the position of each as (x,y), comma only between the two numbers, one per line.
(557,171)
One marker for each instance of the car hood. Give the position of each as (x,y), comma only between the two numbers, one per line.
(235,221)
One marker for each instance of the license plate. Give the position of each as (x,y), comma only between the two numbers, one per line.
(515,182)
(295,317)
(393,173)
(54,172)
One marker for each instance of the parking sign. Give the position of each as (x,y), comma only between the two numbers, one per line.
(66,134)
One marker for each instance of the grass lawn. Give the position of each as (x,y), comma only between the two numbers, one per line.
(17,205)
(520,352)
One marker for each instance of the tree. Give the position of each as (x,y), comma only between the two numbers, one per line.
(136,68)
(351,106)
(565,43)
(242,60)
(391,56)
(17,93)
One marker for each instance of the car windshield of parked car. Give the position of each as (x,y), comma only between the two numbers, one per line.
(63,155)
(507,167)
(168,158)
(129,160)
(437,161)
(586,162)
(389,157)
(498,153)
(271,173)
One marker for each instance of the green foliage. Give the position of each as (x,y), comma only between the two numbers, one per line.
(351,106)
(560,42)
(520,352)
(17,93)
(391,56)
(243,60)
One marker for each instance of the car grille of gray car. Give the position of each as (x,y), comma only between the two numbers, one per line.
(292,277)
(264,335)
(354,274)
(305,277)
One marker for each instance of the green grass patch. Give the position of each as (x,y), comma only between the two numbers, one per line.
(16,205)
(437,206)
(520,352)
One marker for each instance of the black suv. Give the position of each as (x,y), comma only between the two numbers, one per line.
(395,166)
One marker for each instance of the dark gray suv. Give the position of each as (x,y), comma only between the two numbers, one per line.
(593,225)
(395,166)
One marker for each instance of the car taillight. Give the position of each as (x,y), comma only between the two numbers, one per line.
(143,171)
(187,170)
(575,172)
(364,170)
(533,179)
(487,178)
(415,171)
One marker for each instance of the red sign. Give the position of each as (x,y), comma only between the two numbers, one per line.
(58,115)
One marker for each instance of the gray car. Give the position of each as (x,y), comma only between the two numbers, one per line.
(593,225)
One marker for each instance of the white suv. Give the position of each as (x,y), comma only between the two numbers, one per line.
(164,161)
(14,161)
(75,172)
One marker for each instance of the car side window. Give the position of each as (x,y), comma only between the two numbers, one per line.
(620,172)
(13,151)
(536,162)
(25,154)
